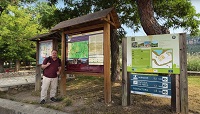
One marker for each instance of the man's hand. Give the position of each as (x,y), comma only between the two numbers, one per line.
(48,64)
(58,73)
(59,70)
(45,66)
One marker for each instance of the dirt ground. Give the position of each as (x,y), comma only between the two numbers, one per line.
(85,96)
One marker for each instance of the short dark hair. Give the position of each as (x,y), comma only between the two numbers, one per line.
(54,50)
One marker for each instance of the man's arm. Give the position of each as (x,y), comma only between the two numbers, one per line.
(59,71)
(45,66)
(46,63)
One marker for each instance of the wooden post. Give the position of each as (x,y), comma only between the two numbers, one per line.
(55,44)
(38,70)
(183,75)
(125,76)
(106,50)
(63,76)
(175,96)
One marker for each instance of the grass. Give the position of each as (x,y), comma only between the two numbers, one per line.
(193,94)
(52,107)
(194,80)
(67,102)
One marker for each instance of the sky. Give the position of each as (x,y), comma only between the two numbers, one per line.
(195,3)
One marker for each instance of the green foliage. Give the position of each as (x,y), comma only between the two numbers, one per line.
(176,14)
(193,62)
(17,26)
(45,14)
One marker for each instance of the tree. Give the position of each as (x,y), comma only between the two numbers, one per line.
(179,13)
(17,26)
(46,17)
(154,16)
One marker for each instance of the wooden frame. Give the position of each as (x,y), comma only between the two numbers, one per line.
(125,75)
(183,75)
(106,48)
(38,70)
(179,97)
(63,74)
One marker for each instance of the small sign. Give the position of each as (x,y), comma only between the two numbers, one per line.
(151,85)
(45,48)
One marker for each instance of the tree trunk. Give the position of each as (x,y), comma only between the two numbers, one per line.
(148,22)
(1,67)
(115,60)
(17,66)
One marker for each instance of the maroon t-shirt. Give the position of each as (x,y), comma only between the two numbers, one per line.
(51,70)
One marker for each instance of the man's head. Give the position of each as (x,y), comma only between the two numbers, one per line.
(54,53)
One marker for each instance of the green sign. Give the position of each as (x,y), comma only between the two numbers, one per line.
(154,54)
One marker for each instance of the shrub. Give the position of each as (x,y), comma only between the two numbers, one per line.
(193,62)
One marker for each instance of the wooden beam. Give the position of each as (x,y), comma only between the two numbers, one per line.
(55,44)
(63,76)
(110,22)
(125,75)
(106,50)
(38,70)
(175,96)
(85,73)
(112,18)
(183,74)
(84,29)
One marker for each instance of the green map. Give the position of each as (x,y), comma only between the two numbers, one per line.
(78,50)
(140,58)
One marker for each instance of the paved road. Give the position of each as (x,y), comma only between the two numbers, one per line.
(5,83)
(13,107)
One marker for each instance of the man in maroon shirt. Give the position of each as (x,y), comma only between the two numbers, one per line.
(52,68)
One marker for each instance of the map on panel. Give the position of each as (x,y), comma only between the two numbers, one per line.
(78,49)
(162,58)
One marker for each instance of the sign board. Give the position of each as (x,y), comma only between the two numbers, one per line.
(151,85)
(85,52)
(45,48)
(153,54)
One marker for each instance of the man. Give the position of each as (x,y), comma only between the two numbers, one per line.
(52,68)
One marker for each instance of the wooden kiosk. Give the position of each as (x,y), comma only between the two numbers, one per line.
(104,20)
(51,39)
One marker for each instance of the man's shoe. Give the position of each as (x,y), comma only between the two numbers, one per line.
(53,99)
(42,101)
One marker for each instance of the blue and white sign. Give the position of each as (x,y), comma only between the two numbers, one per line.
(150,85)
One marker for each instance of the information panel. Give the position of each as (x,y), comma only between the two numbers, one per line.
(151,85)
(96,49)
(153,54)
(45,48)
(85,52)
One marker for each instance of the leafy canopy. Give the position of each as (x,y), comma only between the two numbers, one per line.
(17,26)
